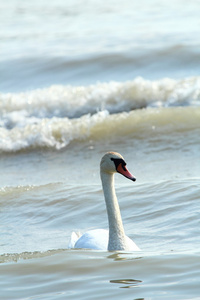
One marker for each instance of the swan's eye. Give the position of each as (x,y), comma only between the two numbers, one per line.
(118,161)
(123,166)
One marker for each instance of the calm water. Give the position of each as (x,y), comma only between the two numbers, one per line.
(79,79)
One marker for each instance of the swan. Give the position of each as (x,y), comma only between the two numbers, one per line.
(114,239)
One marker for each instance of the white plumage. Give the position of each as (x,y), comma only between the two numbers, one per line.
(115,238)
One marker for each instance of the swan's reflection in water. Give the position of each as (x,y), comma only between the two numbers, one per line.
(127,283)
(116,256)
(124,282)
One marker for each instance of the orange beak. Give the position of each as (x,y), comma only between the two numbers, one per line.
(125,172)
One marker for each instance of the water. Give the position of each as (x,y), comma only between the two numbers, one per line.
(162,218)
(82,42)
(79,79)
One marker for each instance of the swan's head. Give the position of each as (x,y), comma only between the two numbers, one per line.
(113,162)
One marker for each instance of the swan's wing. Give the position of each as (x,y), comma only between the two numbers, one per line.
(96,239)
(74,237)
(131,245)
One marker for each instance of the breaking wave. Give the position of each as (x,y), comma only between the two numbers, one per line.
(55,116)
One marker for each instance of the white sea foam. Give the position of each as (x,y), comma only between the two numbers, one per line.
(55,116)
(69,101)
(55,133)
(59,132)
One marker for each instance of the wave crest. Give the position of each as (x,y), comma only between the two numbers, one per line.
(73,102)
(57,133)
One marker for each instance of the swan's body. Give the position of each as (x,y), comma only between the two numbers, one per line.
(115,238)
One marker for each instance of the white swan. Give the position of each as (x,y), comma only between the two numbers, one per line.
(115,238)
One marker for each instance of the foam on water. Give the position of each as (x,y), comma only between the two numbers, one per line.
(69,101)
(55,116)
(59,132)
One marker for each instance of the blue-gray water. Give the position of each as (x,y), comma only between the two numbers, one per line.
(78,79)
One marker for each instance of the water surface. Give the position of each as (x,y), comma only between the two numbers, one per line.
(79,79)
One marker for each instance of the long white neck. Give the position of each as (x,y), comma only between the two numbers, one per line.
(116,229)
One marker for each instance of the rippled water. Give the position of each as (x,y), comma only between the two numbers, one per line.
(81,42)
(75,274)
(44,216)
(162,218)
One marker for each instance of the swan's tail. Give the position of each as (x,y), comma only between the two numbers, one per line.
(74,238)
